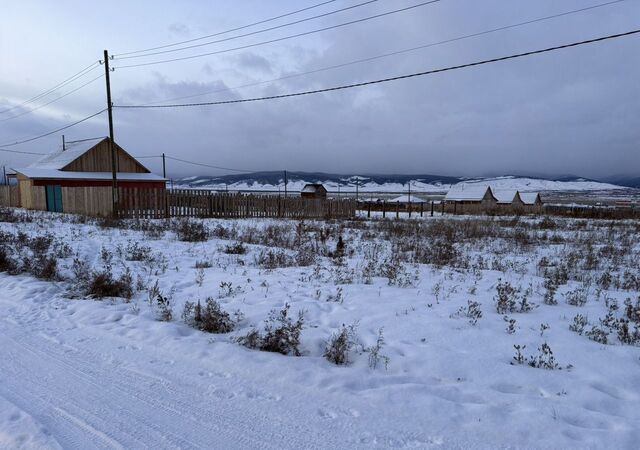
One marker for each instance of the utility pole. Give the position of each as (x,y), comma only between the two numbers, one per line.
(4,172)
(114,183)
(164,168)
(64,147)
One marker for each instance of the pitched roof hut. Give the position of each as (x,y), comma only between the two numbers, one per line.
(53,182)
(532,202)
(313,190)
(468,198)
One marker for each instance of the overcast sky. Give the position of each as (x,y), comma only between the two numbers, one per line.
(572,111)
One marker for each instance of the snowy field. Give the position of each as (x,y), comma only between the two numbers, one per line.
(103,345)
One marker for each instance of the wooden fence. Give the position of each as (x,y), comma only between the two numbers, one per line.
(9,196)
(160,203)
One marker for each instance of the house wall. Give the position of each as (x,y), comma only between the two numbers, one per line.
(101,183)
(98,159)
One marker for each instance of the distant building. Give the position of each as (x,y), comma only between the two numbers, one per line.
(313,190)
(509,201)
(470,199)
(54,182)
(532,202)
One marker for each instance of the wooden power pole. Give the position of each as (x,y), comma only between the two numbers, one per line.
(114,183)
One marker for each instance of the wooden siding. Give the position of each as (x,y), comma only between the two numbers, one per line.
(88,201)
(10,196)
(100,183)
(98,159)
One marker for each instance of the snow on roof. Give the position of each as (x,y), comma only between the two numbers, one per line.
(62,158)
(311,188)
(467,192)
(38,173)
(505,196)
(529,198)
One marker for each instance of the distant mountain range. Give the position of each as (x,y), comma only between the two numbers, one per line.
(274,181)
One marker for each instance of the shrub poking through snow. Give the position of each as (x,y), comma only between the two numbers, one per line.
(506,298)
(471,311)
(598,335)
(375,353)
(632,311)
(511,327)
(165,312)
(191,231)
(579,322)
(211,318)
(544,359)
(235,249)
(577,297)
(281,333)
(340,344)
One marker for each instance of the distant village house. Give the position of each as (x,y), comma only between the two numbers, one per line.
(313,190)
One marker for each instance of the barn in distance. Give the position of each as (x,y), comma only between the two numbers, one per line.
(313,190)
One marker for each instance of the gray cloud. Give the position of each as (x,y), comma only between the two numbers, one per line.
(573,111)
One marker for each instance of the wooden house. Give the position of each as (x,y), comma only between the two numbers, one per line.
(468,198)
(509,202)
(78,178)
(532,202)
(313,190)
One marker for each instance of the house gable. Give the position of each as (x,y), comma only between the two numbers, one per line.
(98,159)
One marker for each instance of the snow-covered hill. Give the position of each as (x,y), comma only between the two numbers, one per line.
(274,181)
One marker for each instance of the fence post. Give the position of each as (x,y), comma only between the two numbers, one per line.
(384,209)
(369,209)
(431,208)
(421,209)
(397,209)
(409,208)
(442,203)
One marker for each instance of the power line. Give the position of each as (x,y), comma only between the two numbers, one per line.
(22,153)
(394,53)
(24,141)
(252,33)
(227,31)
(72,78)
(306,33)
(207,165)
(52,101)
(385,80)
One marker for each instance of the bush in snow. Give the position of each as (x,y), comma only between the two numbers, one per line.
(471,311)
(511,328)
(577,297)
(579,322)
(165,312)
(543,360)
(235,249)
(506,299)
(375,353)
(598,334)
(211,318)
(632,310)
(191,231)
(281,333)
(340,344)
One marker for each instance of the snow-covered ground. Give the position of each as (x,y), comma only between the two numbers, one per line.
(522,184)
(83,373)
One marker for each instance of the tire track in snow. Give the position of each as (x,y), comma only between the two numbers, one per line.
(114,383)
